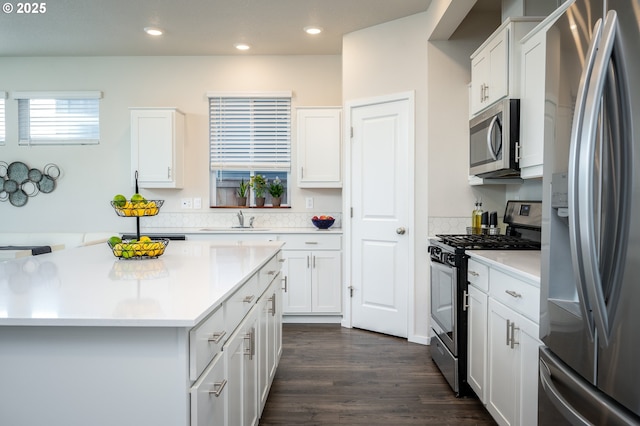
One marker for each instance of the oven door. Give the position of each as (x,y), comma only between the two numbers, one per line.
(443,304)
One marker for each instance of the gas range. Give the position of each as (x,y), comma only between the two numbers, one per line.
(449,291)
(488,242)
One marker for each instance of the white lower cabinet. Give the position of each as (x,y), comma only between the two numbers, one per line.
(503,343)
(312,271)
(209,395)
(234,386)
(477,342)
(242,370)
(270,338)
(513,360)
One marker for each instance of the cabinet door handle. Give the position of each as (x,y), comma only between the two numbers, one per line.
(513,329)
(474,273)
(508,327)
(217,336)
(513,294)
(465,300)
(285,283)
(249,299)
(168,172)
(486,92)
(217,388)
(272,299)
(308,262)
(314,262)
(481,92)
(301,172)
(250,336)
(281,260)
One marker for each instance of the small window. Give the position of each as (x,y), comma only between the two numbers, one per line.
(58,118)
(3,96)
(250,134)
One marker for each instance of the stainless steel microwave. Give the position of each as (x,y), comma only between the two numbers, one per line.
(493,141)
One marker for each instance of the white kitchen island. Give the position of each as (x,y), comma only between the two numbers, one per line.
(88,339)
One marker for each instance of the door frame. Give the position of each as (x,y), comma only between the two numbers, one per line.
(409,97)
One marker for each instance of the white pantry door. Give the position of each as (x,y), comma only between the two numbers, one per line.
(380,225)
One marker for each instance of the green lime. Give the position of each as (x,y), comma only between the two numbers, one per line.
(136,198)
(119,200)
(114,240)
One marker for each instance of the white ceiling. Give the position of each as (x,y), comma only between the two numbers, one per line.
(192,27)
(197,27)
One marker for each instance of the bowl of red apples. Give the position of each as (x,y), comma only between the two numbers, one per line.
(323,222)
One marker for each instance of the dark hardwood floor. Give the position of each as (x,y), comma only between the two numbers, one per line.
(329,375)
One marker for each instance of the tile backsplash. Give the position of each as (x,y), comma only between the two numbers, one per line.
(448,225)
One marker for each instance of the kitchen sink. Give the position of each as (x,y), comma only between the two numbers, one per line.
(234,229)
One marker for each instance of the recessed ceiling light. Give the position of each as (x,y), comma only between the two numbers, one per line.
(312,30)
(153,31)
(242,46)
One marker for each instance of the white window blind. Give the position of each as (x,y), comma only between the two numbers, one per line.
(3,96)
(58,118)
(250,132)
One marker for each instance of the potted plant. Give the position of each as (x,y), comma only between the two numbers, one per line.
(242,192)
(259,185)
(276,190)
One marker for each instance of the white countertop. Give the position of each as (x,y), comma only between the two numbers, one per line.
(231,230)
(525,263)
(88,286)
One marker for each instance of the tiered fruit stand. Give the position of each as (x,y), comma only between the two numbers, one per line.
(138,248)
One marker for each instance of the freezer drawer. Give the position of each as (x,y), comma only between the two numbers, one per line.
(565,398)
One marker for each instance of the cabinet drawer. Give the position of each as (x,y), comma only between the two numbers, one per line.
(237,306)
(311,242)
(205,341)
(269,272)
(478,275)
(520,296)
(209,395)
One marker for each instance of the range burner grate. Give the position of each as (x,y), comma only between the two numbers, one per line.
(489,242)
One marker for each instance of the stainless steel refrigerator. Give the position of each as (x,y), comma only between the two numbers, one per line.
(589,369)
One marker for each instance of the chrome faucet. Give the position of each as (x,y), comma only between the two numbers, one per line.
(241,220)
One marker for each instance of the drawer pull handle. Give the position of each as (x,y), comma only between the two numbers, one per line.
(513,293)
(281,260)
(248,299)
(217,337)
(285,283)
(271,272)
(311,242)
(217,388)
(474,273)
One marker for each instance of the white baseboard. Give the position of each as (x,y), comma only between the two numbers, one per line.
(312,319)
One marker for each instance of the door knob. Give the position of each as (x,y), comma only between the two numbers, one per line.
(401,231)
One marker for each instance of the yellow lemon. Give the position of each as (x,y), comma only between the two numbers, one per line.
(144,238)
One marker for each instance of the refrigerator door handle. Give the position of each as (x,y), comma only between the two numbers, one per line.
(559,402)
(586,200)
(574,171)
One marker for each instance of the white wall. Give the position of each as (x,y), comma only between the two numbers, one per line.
(386,59)
(91,175)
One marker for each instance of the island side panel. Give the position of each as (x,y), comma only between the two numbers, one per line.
(94,376)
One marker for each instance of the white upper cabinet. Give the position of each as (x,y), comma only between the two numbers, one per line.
(495,66)
(319,147)
(157,147)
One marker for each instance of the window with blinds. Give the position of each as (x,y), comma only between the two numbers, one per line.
(249,134)
(58,118)
(3,96)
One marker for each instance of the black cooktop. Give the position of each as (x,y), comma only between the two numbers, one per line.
(488,242)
